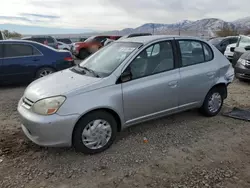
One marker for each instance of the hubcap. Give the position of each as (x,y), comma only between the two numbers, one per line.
(214,102)
(45,73)
(96,134)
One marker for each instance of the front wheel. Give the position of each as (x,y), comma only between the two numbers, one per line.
(212,103)
(95,132)
(44,72)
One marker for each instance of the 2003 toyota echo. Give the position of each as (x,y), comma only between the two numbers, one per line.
(125,83)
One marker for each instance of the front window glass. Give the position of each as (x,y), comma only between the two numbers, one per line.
(105,61)
(153,60)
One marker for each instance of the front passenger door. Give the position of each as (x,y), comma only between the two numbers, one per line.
(153,89)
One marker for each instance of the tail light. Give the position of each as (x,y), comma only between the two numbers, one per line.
(45,42)
(68,59)
(57,46)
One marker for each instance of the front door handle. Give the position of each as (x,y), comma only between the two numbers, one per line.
(173,84)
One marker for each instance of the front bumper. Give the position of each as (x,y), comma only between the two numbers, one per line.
(53,130)
(242,72)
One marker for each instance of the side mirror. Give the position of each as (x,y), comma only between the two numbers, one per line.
(247,48)
(126,76)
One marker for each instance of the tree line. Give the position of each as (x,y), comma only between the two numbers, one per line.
(10,34)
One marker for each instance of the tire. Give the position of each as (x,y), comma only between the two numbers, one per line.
(83,126)
(206,108)
(83,54)
(42,72)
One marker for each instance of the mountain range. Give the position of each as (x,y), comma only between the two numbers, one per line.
(199,27)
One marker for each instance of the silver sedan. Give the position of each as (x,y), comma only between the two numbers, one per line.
(127,82)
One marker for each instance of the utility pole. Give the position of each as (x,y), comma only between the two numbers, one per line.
(153,26)
(179,31)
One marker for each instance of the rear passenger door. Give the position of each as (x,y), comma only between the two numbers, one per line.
(19,61)
(198,72)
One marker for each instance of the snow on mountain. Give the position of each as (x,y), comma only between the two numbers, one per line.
(199,27)
(243,22)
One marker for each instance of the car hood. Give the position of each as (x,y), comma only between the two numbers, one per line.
(246,56)
(60,83)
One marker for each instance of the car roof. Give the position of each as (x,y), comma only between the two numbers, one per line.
(18,41)
(151,38)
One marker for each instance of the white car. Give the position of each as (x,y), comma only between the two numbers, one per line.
(229,52)
(63,46)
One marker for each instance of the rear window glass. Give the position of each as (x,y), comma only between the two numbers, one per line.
(18,50)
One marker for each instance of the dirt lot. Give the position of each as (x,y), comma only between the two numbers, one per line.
(184,150)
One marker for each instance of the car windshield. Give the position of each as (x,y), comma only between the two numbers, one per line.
(90,39)
(244,41)
(215,41)
(105,61)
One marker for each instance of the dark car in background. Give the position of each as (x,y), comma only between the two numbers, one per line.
(46,40)
(242,46)
(22,61)
(83,49)
(242,67)
(221,43)
(134,35)
(64,40)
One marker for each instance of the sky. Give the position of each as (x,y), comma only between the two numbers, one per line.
(104,15)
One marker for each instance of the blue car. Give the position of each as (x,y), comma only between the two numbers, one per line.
(22,61)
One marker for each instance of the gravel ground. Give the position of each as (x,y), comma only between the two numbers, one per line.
(183,150)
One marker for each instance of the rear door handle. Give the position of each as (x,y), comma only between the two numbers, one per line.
(35,59)
(173,84)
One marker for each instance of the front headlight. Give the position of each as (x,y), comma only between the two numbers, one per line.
(243,61)
(48,106)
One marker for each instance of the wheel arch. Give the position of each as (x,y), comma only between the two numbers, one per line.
(41,67)
(109,110)
(222,87)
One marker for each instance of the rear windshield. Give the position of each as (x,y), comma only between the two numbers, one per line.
(215,41)
(244,41)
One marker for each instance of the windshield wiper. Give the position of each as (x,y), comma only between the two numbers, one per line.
(90,70)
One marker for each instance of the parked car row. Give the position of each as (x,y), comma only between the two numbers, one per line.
(26,60)
(129,81)
(237,51)
(94,43)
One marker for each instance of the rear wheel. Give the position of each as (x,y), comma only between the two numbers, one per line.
(44,72)
(95,132)
(212,103)
(83,54)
